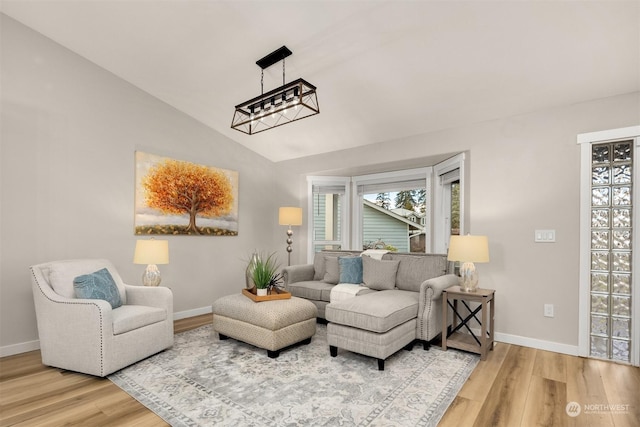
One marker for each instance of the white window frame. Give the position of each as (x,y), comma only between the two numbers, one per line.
(586,140)
(442,201)
(385,178)
(344,214)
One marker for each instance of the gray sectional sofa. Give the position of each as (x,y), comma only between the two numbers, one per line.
(398,302)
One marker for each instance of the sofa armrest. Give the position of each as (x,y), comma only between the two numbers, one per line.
(297,273)
(433,288)
(152,296)
(430,306)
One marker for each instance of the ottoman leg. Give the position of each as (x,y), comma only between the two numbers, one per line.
(380,364)
(333,350)
(307,341)
(223,337)
(273,354)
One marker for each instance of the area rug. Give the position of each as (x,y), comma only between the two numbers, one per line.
(202,381)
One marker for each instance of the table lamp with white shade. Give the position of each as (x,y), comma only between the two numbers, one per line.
(468,249)
(151,252)
(290,216)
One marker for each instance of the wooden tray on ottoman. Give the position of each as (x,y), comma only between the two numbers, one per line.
(278,294)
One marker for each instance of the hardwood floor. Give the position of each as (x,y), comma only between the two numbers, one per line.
(515,386)
(521,386)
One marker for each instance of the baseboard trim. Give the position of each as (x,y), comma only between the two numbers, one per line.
(192,313)
(23,347)
(555,347)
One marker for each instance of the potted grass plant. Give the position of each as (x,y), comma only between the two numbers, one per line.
(264,273)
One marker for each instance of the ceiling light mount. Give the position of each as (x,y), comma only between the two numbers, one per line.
(275,56)
(290,102)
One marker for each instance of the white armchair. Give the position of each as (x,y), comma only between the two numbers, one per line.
(87,335)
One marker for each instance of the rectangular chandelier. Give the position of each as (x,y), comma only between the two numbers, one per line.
(290,102)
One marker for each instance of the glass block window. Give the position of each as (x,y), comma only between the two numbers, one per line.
(611,250)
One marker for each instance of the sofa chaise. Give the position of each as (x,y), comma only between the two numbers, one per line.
(397,302)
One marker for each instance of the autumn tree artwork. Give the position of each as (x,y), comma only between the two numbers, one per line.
(179,197)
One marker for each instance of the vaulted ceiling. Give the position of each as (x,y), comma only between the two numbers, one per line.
(384,69)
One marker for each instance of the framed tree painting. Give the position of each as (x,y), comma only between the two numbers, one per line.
(183,198)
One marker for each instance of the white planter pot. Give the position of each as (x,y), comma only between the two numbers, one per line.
(262,292)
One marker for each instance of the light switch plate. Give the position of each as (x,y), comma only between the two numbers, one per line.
(545,236)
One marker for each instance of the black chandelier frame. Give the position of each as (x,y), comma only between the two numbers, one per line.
(290,102)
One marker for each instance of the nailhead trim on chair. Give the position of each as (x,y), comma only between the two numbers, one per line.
(77,303)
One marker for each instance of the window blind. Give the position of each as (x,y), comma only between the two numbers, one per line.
(451,176)
(386,187)
(328,189)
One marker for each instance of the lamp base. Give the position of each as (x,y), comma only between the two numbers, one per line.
(468,277)
(289,243)
(151,276)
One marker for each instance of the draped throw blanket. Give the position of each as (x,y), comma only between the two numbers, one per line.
(343,291)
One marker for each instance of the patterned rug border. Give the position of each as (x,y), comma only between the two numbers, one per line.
(176,417)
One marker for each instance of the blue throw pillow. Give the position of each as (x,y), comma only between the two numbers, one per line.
(98,285)
(350,269)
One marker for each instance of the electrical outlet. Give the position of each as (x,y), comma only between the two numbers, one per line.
(548,310)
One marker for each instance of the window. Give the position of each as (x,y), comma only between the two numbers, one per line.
(327,213)
(608,292)
(448,202)
(611,210)
(389,208)
(413,210)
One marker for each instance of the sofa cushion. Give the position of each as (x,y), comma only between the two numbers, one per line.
(379,275)
(319,266)
(415,269)
(312,290)
(319,261)
(62,273)
(129,317)
(376,311)
(350,269)
(332,270)
(98,285)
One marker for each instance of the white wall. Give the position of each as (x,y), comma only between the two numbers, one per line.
(524,175)
(69,132)
(70,128)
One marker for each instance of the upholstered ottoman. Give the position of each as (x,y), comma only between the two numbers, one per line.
(272,325)
(375,324)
